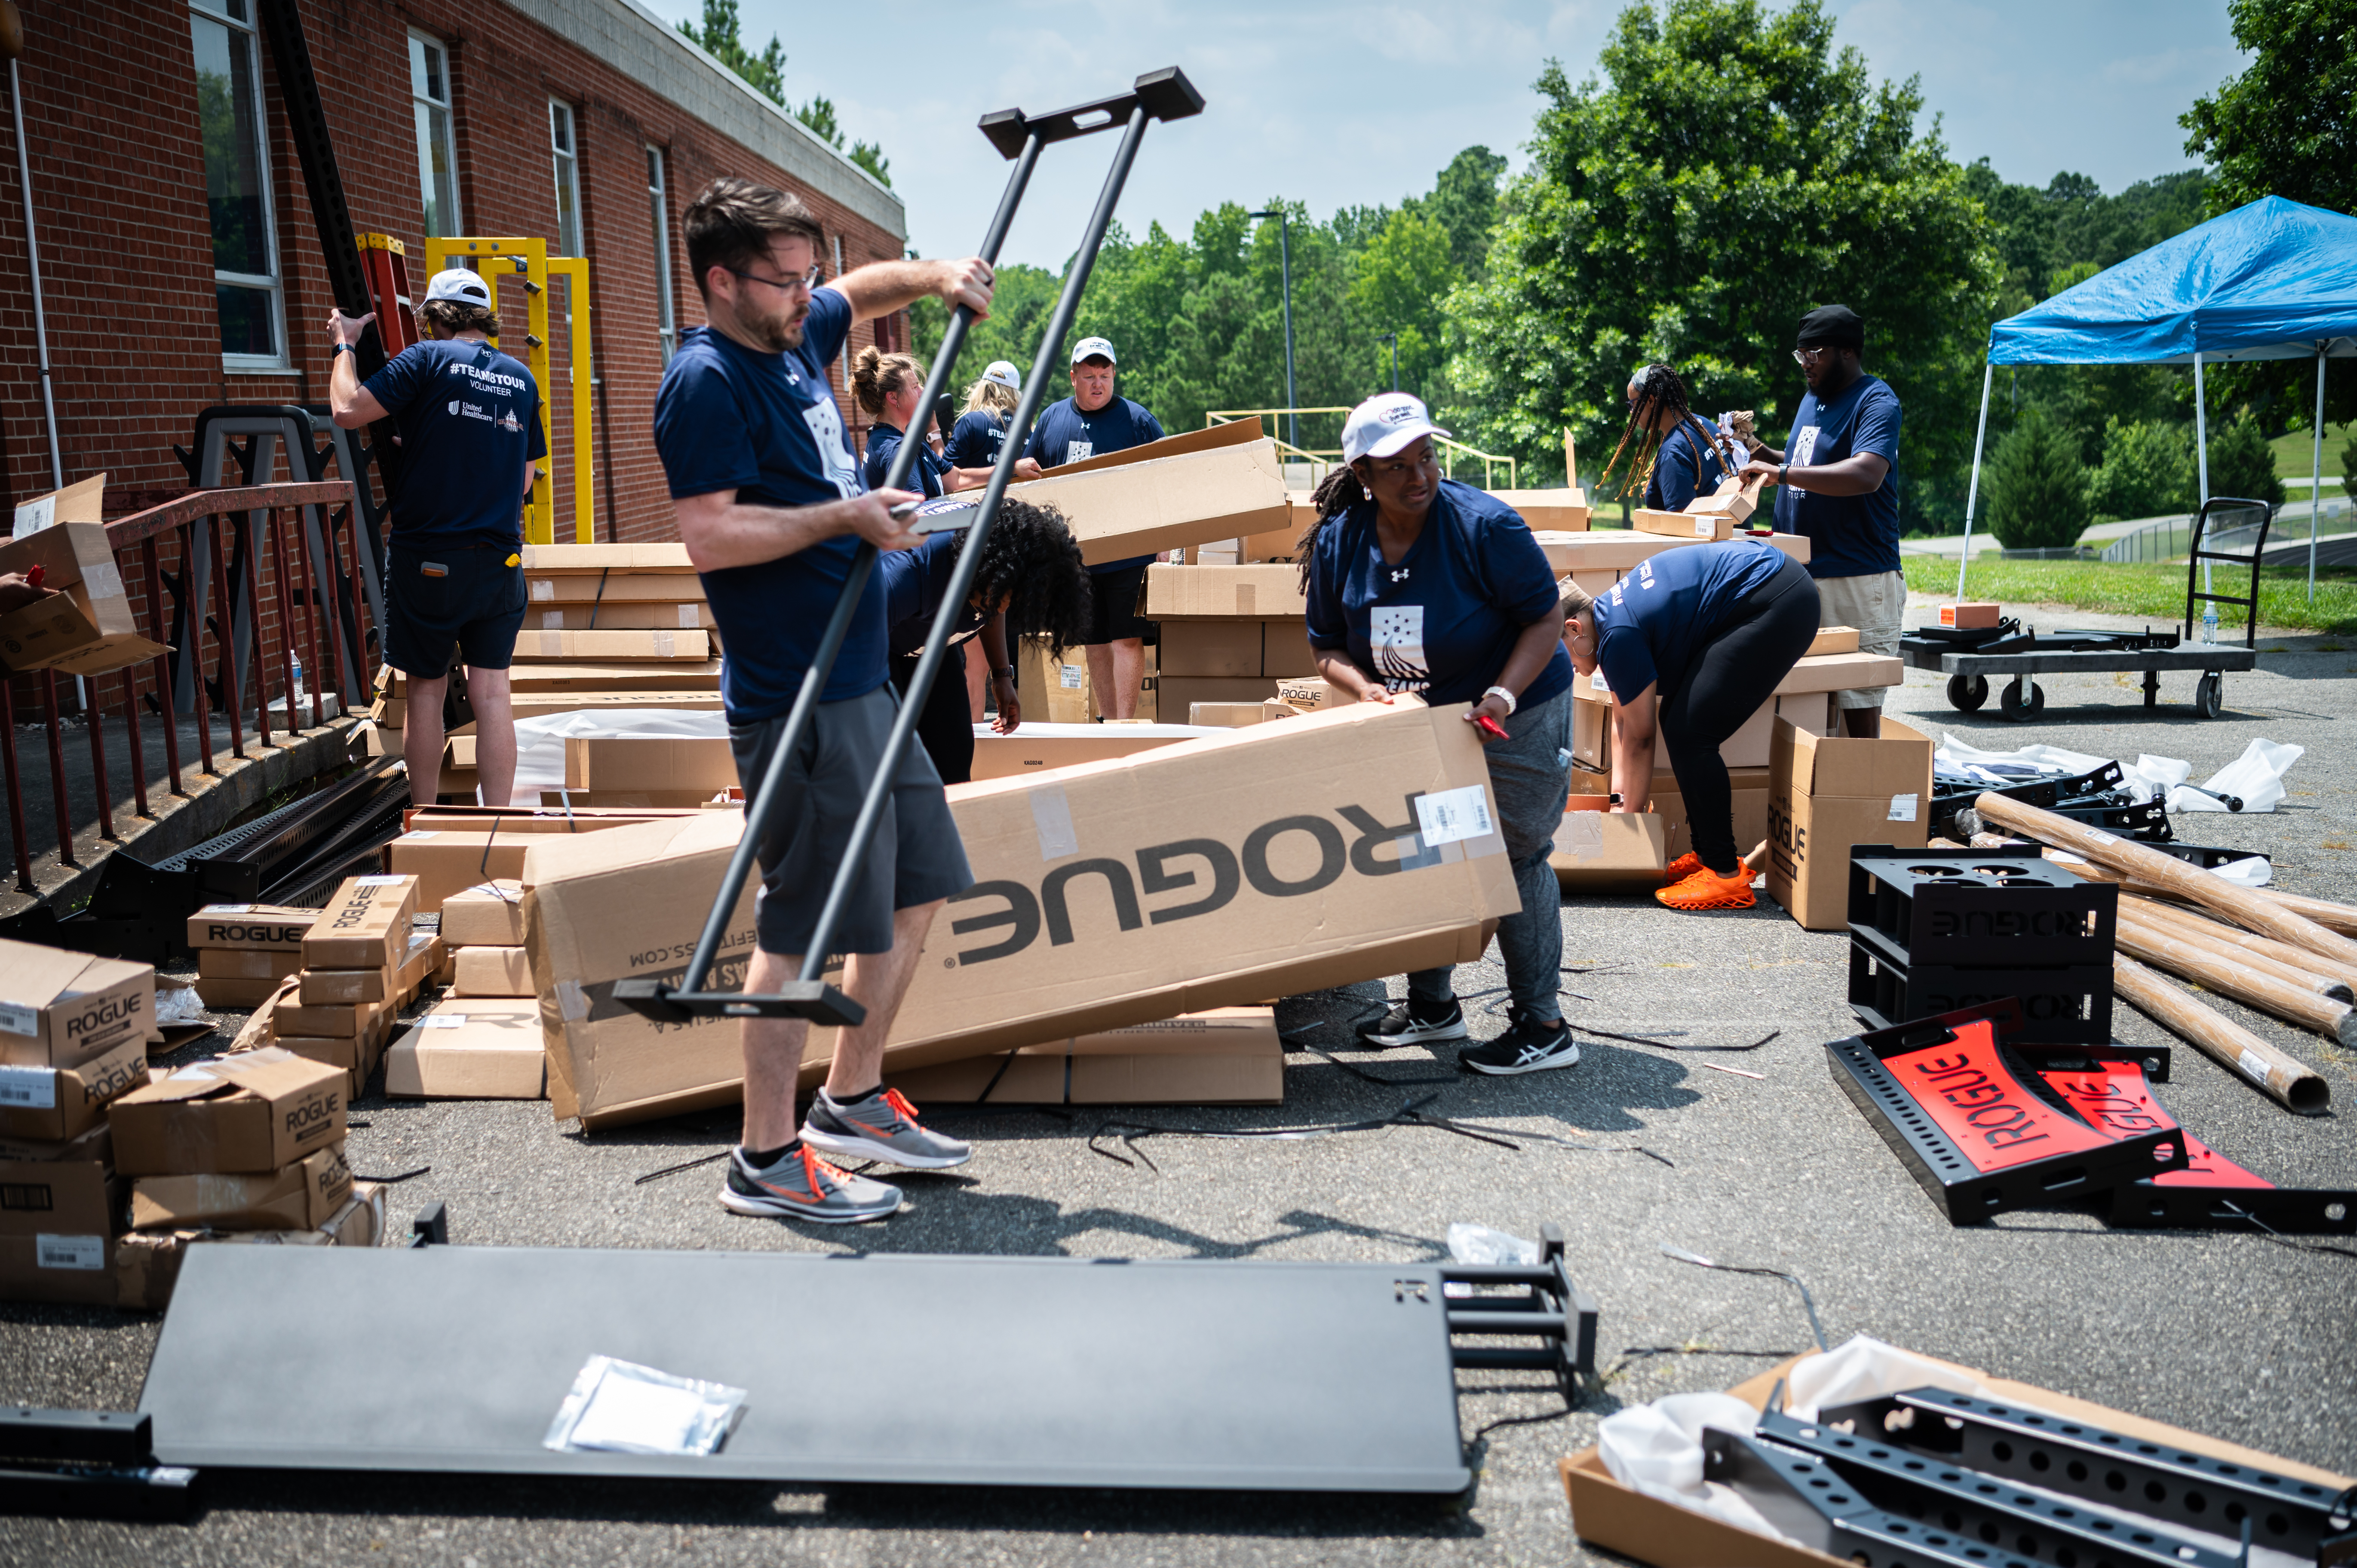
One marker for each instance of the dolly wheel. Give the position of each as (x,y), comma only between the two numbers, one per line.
(1967,693)
(2013,703)
(2209,695)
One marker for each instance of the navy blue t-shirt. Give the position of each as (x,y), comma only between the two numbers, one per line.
(1673,485)
(766,425)
(470,418)
(1652,623)
(914,582)
(975,438)
(1443,620)
(1849,536)
(1065,435)
(883,445)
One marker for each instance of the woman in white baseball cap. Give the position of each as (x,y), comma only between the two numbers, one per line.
(1418,584)
(981,430)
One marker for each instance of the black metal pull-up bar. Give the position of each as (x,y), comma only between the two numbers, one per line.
(1159,95)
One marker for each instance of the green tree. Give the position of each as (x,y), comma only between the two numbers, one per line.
(2148,470)
(1730,172)
(1464,201)
(2038,486)
(1401,278)
(2242,463)
(2348,467)
(2283,126)
(722,39)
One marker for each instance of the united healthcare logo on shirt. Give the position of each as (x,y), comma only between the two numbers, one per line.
(1077,451)
(1396,634)
(1805,448)
(826,428)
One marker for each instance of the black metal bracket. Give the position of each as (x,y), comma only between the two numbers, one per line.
(1515,1301)
(811,999)
(1806,1500)
(88,1464)
(431,1228)
(1164,94)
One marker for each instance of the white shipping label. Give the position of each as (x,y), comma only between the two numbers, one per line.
(1705,527)
(1051,814)
(552,620)
(34,516)
(2102,837)
(687,616)
(2256,1065)
(227,909)
(85,1252)
(1596,682)
(1581,837)
(385,881)
(572,1001)
(1902,808)
(542,588)
(1454,814)
(15,1018)
(1070,676)
(443,1021)
(28,1087)
(662,644)
(103,581)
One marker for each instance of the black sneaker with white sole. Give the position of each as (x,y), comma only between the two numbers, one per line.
(1527,1047)
(1409,1025)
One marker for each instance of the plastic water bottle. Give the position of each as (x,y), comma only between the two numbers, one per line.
(2209,622)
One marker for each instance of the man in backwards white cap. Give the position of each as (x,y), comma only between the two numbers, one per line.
(1089,424)
(470,422)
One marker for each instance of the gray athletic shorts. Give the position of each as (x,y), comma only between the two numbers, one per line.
(916,859)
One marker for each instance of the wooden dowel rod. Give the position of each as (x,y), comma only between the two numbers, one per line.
(2200,928)
(2262,964)
(2281,1077)
(2244,982)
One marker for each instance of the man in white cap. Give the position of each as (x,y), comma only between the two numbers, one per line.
(470,422)
(1089,424)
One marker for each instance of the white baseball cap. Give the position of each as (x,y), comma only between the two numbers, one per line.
(1385,424)
(1093,349)
(1004,374)
(459,283)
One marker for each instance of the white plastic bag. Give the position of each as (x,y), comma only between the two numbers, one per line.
(621,1407)
(179,1005)
(2256,776)
(1862,1368)
(1656,1449)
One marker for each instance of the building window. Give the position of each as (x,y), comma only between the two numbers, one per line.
(666,326)
(568,177)
(437,159)
(237,186)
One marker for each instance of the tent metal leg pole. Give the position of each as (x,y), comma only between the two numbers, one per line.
(961,583)
(2202,449)
(1973,490)
(2315,484)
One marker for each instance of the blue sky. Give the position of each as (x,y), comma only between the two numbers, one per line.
(1333,105)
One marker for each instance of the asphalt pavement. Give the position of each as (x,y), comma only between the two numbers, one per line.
(1752,1158)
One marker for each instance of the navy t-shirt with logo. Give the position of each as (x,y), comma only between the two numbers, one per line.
(1849,536)
(915,582)
(766,425)
(470,418)
(975,438)
(1652,623)
(883,446)
(1065,435)
(1673,485)
(1442,621)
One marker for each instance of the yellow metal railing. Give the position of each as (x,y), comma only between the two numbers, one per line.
(527,261)
(1322,458)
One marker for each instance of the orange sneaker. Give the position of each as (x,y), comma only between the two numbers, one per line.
(1707,889)
(1685,865)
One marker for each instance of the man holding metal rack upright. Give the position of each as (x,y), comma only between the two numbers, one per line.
(772,509)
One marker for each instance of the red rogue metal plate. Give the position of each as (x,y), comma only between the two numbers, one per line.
(1966,1087)
(2115,1098)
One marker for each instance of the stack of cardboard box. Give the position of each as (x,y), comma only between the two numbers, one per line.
(74,1038)
(482,1041)
(1228,634)
(452,848)
(245,951)
(361,961)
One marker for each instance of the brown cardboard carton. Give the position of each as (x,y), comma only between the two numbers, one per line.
(50,1104)
(1230,647)
(1036,748)
(450,818)
(75,1195)
(342,988)
(61,1008)
(1549,511)
(699,765)
(1599,850)
(1059,935)
(1972,615)
(83,625)
(302,1196)
(481,1048)
(355,1057)
(1195,593)
(1235,433)
(612,644)
(612,617)
(1176,694)
(1701,526)
(489,914)
(365,924)
(1162,503)
(1842,672)
(84,501)
(1053,688)
(1748,786)
(427,954)
(540,705)
(258,1112)
(95,1144)
(252,927)
(1226,1056)
(230,995)
(344,1020)
(1828,793)
(598,560)
(1233,715)
(148,1263)
(63,1266)
(603,588)
(1619,549)
(1834,639)
(492,971)
(1749,747)
(248,963)
(451,860)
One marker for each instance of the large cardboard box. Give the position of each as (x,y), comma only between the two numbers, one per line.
(148,1263)
(1749,791)
(85,624)
(1704,526)
(1051,687)
(304,1195)
(345,1020)
(492,971)
(1228,647)
(1549,511)
(247,963)
(1598,849)
(451,860)
(1162,503)
(611,643)
(1826,793)
(61,1266)
(84,501)
(701,765)
(78,1197)
(489,914)
(1227,1056)
(1256,862)
(258,1112)
(598,560)
(365,925)
(1178,695)
(479,1049)
(51,1103)
(1194,593)
(253,926)
(1619,549)
(61,1009)
(627,617)
(1038,747)
(608,588)
(1235,433)
(343,988)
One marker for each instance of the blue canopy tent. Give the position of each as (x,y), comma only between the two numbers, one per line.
(2272,280)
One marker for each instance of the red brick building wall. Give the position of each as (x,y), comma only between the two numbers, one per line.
(117,166)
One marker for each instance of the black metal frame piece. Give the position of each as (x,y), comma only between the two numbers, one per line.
(2250,602)
(1159,95)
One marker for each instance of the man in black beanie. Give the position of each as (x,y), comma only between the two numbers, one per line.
(1838,484)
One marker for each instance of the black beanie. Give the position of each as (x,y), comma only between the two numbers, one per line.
(1833,327)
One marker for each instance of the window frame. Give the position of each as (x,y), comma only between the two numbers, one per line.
(448,105)
(274,284)
(567,180)
(666,300)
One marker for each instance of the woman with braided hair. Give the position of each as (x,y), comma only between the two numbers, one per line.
(1684,456)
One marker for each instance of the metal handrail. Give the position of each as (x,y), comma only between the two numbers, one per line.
(1450,447)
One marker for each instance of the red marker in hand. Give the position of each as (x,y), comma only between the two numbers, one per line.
(35,575)
(1490,726)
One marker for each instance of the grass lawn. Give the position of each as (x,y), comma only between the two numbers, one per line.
(2154,592)
(2295,458)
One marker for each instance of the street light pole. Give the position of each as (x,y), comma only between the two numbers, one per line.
(1392,338)
(1285,263)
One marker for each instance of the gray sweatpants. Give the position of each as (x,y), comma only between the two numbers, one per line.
(1530,780)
